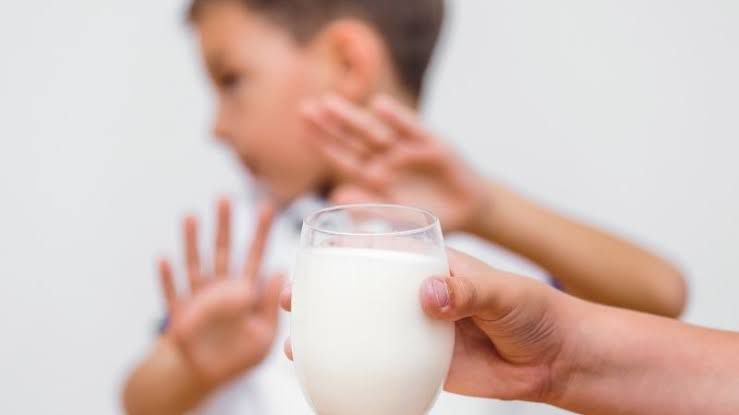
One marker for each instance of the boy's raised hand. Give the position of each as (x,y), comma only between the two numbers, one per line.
(384,154)
(226,322)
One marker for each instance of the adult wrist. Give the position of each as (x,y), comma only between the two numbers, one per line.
(597,365)
(577,362)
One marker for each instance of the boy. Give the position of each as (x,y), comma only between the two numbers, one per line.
(266,58)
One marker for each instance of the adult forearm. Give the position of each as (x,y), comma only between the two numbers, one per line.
(633,363)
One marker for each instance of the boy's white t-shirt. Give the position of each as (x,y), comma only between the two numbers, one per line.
(273,388)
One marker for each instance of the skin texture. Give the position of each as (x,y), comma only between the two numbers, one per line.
(267,89)
(262,77)
(521,340)
(518,339)
(225,325)
(391,156)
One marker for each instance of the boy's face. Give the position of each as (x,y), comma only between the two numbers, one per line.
(262,76)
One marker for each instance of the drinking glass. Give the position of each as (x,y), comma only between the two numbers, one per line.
(361,342)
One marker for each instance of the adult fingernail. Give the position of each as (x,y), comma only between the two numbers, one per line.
(438,291)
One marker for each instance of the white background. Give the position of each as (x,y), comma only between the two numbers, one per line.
(621,112)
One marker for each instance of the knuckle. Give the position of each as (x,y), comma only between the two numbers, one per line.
(462,293)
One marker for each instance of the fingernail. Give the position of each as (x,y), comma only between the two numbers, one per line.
(439,291)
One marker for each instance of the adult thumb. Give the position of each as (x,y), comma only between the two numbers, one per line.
(459,297)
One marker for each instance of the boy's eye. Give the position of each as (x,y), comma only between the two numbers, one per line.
(228,81)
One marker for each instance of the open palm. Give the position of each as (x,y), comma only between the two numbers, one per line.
(386,155)
(227,322)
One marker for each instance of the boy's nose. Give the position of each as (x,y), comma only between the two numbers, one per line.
(220,129)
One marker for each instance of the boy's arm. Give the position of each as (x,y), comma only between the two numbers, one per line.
(394,158)
(223,326)
(589,263)
(163,384)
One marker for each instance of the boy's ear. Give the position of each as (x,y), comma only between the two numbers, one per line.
(358,58)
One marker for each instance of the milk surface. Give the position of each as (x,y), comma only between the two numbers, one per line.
(361,342)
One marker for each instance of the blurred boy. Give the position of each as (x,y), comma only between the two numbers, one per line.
(269,60)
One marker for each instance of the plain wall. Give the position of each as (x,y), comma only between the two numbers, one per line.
(621,112)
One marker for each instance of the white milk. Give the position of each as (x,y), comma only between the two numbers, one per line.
(361,342)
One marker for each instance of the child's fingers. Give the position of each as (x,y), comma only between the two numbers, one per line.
(332,138)
(379,173)
(338,131)
(271,299)
(286,297)
(192,255)
(419,156)
(345,160)
(288,348)
(349,162)
(333,130)
(398,116)
(166,279)
(365,127)
(223,238)
(351,194)
(259,242)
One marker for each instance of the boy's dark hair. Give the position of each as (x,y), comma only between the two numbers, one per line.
(410,28)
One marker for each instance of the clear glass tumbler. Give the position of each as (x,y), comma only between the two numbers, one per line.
(361,342)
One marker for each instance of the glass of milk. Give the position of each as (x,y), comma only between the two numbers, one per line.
(361,342)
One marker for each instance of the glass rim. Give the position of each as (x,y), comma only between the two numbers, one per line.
(434,219)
